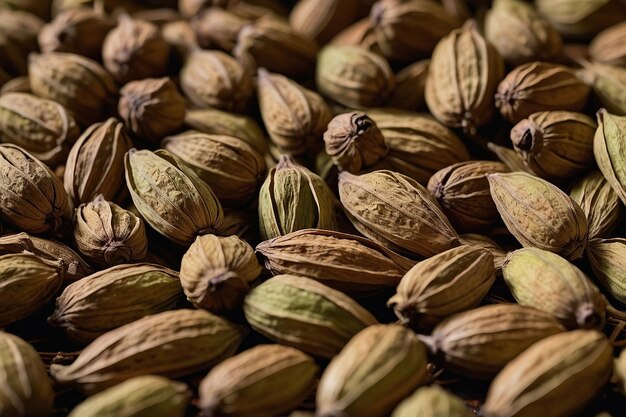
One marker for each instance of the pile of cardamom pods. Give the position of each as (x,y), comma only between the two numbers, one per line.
(313,208)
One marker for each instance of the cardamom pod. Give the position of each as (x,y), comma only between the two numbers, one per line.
(378,367)
(539,214)
(253,382)
(453,281)
(608,47)
(31,196)
(478,343)
(148,395)
(397,212)
(172,344)
(542,279)
(344,262)
(431,401)
(106,234)
(410,87)
(19,84)
(607,260)
(26,388)
(360,34)
(215,272)
(610,152)
(217,27)
(92,306)
(170,196)
(300,312)
(563,372)
(42,127)
(555,145)
(484,242)
(231,166)
(609,85)
(27,283)
(581,18)
(322,19)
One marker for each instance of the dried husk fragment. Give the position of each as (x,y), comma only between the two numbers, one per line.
(542,279)
(537,87)
(581,18)
(410,87)
(609,85)
(217,27)
(555,145)
(265,380)
(42,127)
(300,312)
(539,214)
(170,196)
(397,212)
(27,283)
(354,76)
(608,47)
(453,281)
(464,72)
(345,262)
(478,343)
(26,389)
(561,373)
(142,395)
(216,272)
(214,79)
(321,20)
(229,165)
(31,196)
(106,234)
(92,306)
(95,164)
(380,366)
(609,150)
(79,84)
(607,258)
(152,108)
(172,344)
(431,401)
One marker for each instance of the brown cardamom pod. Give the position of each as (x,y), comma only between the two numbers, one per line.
(581,18)
(217,27)
(608,47)
(322,19)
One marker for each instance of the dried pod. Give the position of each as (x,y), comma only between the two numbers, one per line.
(519,34)
(42,127)
(109,235)
(180,36)
(462,191)
(148,395)
(464,72)
(480,342)
(294,116)
(431,401)
(232,167)
(95,164)
(581,18)
(353,76)
(548,373)
(610,152)
(555,145)
(72,265)
(135,50)
(397,212)
(353,141)
(27,283)
(300,312)
(26,388)
(321,20)
(542,279)
(19,84)
(409,30)
(217,27)
(539,215)
(253,382)
(78,30)
(453,281)
(356,383)
(190,8)
(344,262)
(92,306)
(294,198)
(152,345)
(215,79)
(31,196)
(79,84)
(609,85)
(418,145)
(272,44)
(600,203)
(608,47)
(537,87)
(410,87)
(607,258)
(360,33)
(217,122)
(215,272)
(152,108)
(484,242)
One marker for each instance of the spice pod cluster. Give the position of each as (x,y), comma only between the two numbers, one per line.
(313,208)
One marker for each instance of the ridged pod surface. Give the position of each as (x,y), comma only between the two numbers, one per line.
(432,401)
